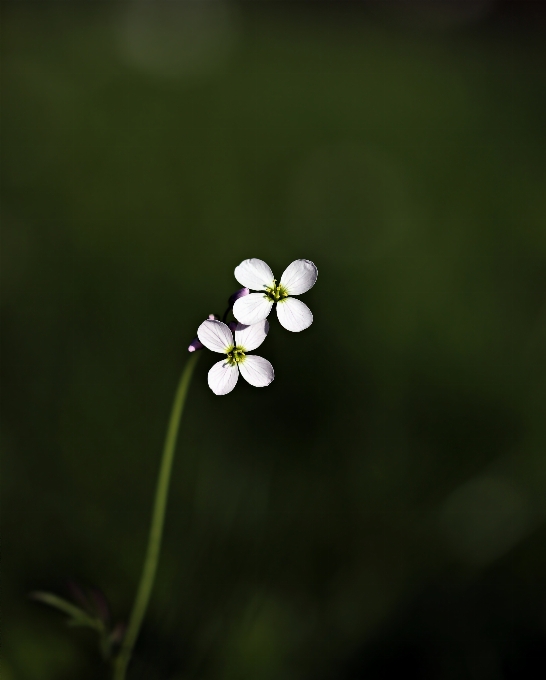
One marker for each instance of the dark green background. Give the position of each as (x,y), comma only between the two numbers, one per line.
(378,511)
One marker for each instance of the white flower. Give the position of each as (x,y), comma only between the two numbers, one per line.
(298,278)
(218,337)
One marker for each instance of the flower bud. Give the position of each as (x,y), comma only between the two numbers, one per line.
(195,345)
(236,295)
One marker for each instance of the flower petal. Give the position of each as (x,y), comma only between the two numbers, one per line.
(294,314)
(251,308)
(215,335)
(257,371)
(254,274)
(250,337)
(299,276)
(223,377)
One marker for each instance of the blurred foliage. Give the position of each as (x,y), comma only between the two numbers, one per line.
(379,509)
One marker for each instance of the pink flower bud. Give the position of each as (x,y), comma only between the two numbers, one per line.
(236,295)
(195,345)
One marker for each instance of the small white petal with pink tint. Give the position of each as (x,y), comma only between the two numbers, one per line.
(294,315)
(251,337)
(215,335)
(299,277)
(222,377)
(254,274)
(257,371)
(252,308)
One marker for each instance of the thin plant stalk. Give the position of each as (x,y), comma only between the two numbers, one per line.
(156,529)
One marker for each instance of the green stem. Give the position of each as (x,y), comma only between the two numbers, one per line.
(156,529)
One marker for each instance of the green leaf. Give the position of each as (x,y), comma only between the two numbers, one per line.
(77,616)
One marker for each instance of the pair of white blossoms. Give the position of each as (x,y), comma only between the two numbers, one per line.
(251,312)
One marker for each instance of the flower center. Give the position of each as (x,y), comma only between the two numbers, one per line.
(276,293)
(235,355)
